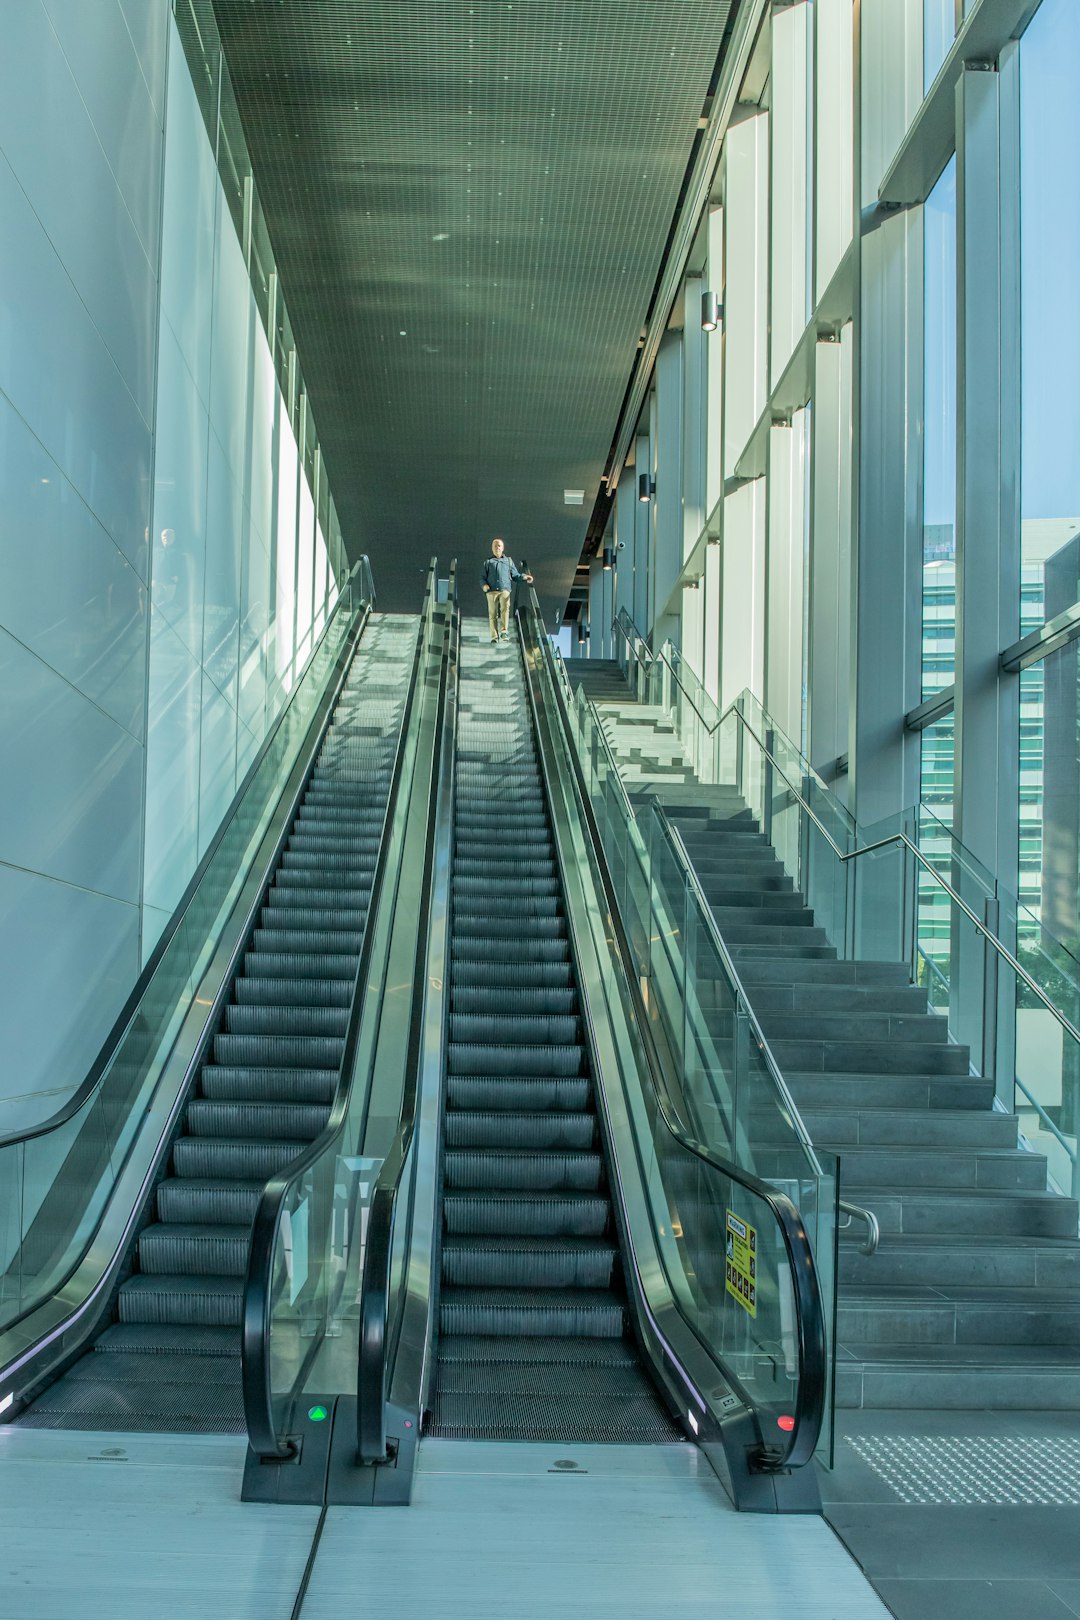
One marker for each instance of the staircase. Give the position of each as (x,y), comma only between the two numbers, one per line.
(972,1299)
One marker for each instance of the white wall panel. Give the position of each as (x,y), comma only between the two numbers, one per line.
(77,958)
(59,163)
(232,361)
(217,760)
(148,24)
(225,532)
(76,810)
(57,372)
(172,767)
(69,595)
(188,226)
(98,45)
(180,475)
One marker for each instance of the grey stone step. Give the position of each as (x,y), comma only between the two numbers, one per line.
(961,1261)
(857,1025)
(961,1316)
(869,1057)
(798,970)
(744,928)
(840,1128)
(835,1089)
(937,1168)
(855,999)
(939,1210)
(751,898)
(756,948)
(922,1377)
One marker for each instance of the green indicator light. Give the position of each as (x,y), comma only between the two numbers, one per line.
(317,1414)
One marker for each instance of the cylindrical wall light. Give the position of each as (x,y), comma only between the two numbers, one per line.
(711,312)
(607,559)
(646,486)
(581,632)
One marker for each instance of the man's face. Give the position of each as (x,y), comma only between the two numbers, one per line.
(497,548)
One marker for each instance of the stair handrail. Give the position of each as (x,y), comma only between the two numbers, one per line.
(258,1301)
(900,838)
(735,711)
(373,1348)
(808,1301)
(853,1211)
(95,1073)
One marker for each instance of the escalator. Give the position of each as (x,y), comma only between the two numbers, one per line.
(169,1355)
(550,1256)
(534,1339)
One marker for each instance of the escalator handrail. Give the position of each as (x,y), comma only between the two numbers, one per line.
(373,1348)
(258,1284)
(98,1067)
(810,1322)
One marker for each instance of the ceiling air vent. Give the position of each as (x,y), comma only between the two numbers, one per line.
(573,497)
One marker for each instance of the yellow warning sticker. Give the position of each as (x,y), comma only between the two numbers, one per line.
(741,1263)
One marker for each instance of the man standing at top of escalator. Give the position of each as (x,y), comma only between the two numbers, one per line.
(497,576)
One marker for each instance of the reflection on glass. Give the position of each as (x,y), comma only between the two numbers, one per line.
(939,31)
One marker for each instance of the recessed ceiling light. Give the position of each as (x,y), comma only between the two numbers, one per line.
(403,334)
(441,236)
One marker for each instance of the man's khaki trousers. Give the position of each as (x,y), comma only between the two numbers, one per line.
(498,613)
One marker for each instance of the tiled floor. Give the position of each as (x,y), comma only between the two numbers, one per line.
(120,1527)
(938,1561)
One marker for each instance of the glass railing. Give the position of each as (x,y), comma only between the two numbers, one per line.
(301,1320)
(61,1179)
(904,889)
(747,1211)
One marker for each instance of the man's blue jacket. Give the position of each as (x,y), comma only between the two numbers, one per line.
(499,573)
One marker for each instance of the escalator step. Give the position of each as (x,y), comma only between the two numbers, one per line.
(301,955)
(501,873)
(528,1263)
(541,1214)
(167,1338)
(273,1121)
(492,926)
(316,844)
(493,997)
(512,950)
(159,1367)
(477,1169)
(509,1030)
(510,1059)
(556,1418)
(187,1201)
(202,1251)
(514,975)
(340,919)
(280,1051)
(524,1094)
(268,1085)
(200,1407)
(258,992)
(292,1020)
(572,1132)
(213,1158)
(312,881)
(193,1301)
(467,887)
(485,1353)
(565,1312)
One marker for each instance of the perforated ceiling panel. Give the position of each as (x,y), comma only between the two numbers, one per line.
(469,204)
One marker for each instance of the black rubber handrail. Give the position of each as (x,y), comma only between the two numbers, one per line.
(105,1054)
(811,1331)
(258,1285)
(374,1350)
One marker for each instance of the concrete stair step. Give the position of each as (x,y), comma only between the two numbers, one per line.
(959,1316)
(755,948)
(798,970)
(839,1129)
(857,1000)
(922,1211)
(858,1024)
(969,1260)
(846,1089)
(938,1168)
(976,1378)
(868,1057)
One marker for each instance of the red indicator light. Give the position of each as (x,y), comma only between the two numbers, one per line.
(785,1423)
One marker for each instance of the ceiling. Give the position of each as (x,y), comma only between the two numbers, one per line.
(469,205)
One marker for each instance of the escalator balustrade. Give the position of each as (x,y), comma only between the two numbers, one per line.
(534,1340)
(170,1357)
